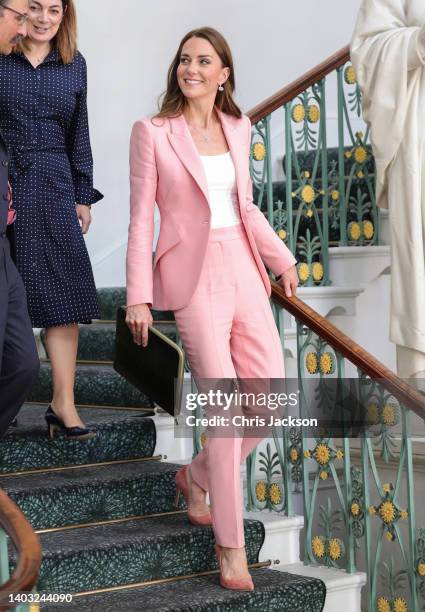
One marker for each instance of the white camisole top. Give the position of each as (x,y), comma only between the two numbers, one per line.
(222,190)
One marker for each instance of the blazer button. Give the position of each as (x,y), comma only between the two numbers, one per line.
(205,222)
(5,163)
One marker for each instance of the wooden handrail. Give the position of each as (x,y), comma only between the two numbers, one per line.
(27,544)
(292,90)
(404,392)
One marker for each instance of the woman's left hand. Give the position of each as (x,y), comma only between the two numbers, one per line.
(84,217)
(289,281)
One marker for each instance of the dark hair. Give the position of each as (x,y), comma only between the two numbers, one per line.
(2,4)
(173,100)
(65,40)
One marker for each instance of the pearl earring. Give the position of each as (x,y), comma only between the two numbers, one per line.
(221,88)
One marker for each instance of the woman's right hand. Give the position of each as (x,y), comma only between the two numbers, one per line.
(138,320)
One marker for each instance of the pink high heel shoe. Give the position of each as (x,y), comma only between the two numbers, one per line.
(182,487)
(235,584)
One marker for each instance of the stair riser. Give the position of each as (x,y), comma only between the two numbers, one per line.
(131,439)
(95,386)
(131,562)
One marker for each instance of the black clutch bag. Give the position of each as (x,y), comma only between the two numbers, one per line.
(156,370)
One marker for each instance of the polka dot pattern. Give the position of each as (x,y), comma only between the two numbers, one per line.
(43,120)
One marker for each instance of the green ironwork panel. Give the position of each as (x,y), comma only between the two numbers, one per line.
(323,195)
(387,469)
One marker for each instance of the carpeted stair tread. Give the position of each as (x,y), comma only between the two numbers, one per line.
(120,435)
(97,341)
(135,551)
(111,298)
(274,592)
(95,384)
(96,493)
(31,416)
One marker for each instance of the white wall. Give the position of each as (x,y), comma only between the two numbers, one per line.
(129,44)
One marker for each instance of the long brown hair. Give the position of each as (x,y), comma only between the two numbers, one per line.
(65,40)
(172,101)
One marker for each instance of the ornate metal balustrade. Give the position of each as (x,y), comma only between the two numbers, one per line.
(357,489)
(326,196)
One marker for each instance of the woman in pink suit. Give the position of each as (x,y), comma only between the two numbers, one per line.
(192,159)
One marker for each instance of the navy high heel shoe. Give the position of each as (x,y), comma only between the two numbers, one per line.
(54,424)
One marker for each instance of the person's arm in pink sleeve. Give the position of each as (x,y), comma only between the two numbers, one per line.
(143,185)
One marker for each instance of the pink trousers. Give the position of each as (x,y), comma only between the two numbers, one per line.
(228,331)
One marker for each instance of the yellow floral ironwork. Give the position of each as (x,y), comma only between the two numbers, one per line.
(360,154)
(372,414)
(322,453)
(350,76)
(317,271)
(275,494)
(260,491)
(354,230)
(355,509)
(326,363)
(387,512)
(258,151)
(368,229)
(335,549)
(298,113)
(308,194)
(311,363)
(389,415)
(400,605)
(203,439)
(318,546)
(383,605)
(313,113)
(303,271)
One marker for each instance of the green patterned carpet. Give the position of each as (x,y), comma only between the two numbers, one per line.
(104,508)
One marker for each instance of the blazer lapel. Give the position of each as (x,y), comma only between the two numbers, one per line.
(237,151)
(185,149)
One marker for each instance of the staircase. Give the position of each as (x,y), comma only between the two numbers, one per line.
(104,508)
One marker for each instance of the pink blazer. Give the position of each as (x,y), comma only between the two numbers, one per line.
(165,168)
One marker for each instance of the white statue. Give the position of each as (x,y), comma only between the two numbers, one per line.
(388,54)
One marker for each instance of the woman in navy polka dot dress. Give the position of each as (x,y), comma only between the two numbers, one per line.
(43,118)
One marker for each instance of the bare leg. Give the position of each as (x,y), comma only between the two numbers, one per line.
(62,346)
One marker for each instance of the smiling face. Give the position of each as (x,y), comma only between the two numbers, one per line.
(45,18)
(11,27)
(200,71)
